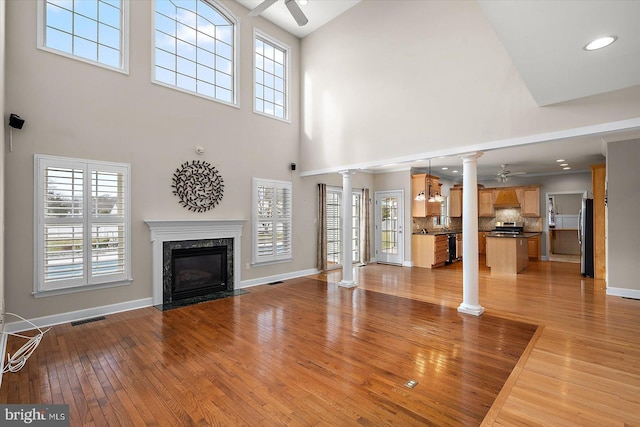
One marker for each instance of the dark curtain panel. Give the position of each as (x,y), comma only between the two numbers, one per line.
(322,227)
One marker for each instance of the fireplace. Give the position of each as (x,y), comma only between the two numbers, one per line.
(202,240)
(196,268)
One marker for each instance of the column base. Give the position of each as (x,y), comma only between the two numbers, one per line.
(347,284)
(475,310)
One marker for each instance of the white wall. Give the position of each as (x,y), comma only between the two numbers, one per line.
(623,234)
(78,110)
(389,79)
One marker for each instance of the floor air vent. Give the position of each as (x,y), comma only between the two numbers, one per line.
(82,322)
(275,283)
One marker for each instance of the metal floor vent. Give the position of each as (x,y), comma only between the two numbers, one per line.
(275,283)
(411,383)
(82,322)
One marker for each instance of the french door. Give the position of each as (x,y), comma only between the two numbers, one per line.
(390,227)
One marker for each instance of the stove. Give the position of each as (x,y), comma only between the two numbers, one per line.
(508,228)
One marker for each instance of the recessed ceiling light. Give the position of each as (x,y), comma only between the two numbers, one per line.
(303,2)
(564,164)
(560,160)
(600,43)
(566,168)
(445,168)
(454,171)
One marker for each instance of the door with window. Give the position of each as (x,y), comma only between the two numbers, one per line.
(334,227)
(389,227)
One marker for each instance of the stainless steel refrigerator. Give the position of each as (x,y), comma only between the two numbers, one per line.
(585,235)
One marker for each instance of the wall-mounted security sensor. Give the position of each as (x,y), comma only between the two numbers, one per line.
(15,121)
(293,166)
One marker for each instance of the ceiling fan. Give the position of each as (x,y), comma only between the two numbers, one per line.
(503,175)
(292,5)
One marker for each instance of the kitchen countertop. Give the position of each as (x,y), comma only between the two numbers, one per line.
(438,233)
(524,235)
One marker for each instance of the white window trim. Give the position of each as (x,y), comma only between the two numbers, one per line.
(236,60)
(38,288)
(254,222)
(354,192)
(287,49)
(124,48)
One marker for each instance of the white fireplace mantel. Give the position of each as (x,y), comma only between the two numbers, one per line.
(192,229)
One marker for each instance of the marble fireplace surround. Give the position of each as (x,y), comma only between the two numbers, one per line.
(191,229)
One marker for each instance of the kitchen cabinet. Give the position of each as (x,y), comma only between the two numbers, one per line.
(459,245)
(534,246)
(424,185)
(485,203)
(455,202)
(530,202)
(507,255)
(482,242)
(428,250)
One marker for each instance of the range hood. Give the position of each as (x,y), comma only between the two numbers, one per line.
(507,198)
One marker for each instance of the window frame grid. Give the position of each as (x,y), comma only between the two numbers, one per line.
(41,6)
(227,14)
(354,221)
(86,221)
(265,38)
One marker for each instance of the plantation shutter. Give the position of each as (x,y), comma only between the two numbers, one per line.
(272,221)
(82,223)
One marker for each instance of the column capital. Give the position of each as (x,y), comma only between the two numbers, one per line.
(348,172)
(471,156)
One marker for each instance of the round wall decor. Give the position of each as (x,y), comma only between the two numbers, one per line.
(198,185)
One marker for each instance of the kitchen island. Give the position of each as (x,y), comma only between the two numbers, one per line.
(508,254)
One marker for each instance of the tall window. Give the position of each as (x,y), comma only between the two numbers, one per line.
(90,30)
(195,48)
(271,77)
(334,226)
(271,221)
(82,224)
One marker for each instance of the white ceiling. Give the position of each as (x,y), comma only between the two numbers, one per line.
(545,40)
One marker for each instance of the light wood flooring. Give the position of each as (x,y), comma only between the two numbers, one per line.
(306,352)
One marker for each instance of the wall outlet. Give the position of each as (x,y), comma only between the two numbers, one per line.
(247,266)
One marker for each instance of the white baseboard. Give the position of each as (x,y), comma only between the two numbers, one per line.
(276,278)
(407,264)
(623,292)
(74,316)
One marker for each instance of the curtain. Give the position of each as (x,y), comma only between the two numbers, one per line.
(322,227)
(365,227)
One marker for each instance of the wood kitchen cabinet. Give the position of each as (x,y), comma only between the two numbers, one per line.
(485,203)
(423,184)
(428,250)
(455,202)
(482,242)
(530,202)
(534,247)
(459,245)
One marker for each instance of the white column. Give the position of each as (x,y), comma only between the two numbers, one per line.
(347,258)
(470,298)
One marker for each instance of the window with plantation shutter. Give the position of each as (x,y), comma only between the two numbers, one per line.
(271,221)
(82,224)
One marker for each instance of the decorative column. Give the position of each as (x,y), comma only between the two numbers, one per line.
(347,259)
(470,298)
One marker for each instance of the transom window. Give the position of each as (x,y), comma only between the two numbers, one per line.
(271,77)
(195,48)
(90,30)
(82,224)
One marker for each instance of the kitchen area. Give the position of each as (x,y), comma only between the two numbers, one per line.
(509,225)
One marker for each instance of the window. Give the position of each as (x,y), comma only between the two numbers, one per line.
(90,30)
(271,221)
(82,224)
(271,88)
(195,48)
(334,226)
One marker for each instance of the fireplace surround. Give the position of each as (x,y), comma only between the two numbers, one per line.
(167,235)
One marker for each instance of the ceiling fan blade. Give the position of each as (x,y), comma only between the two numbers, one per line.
(296,12)
(517,173)
(261,7)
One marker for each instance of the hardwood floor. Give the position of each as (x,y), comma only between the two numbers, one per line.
(308,352)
